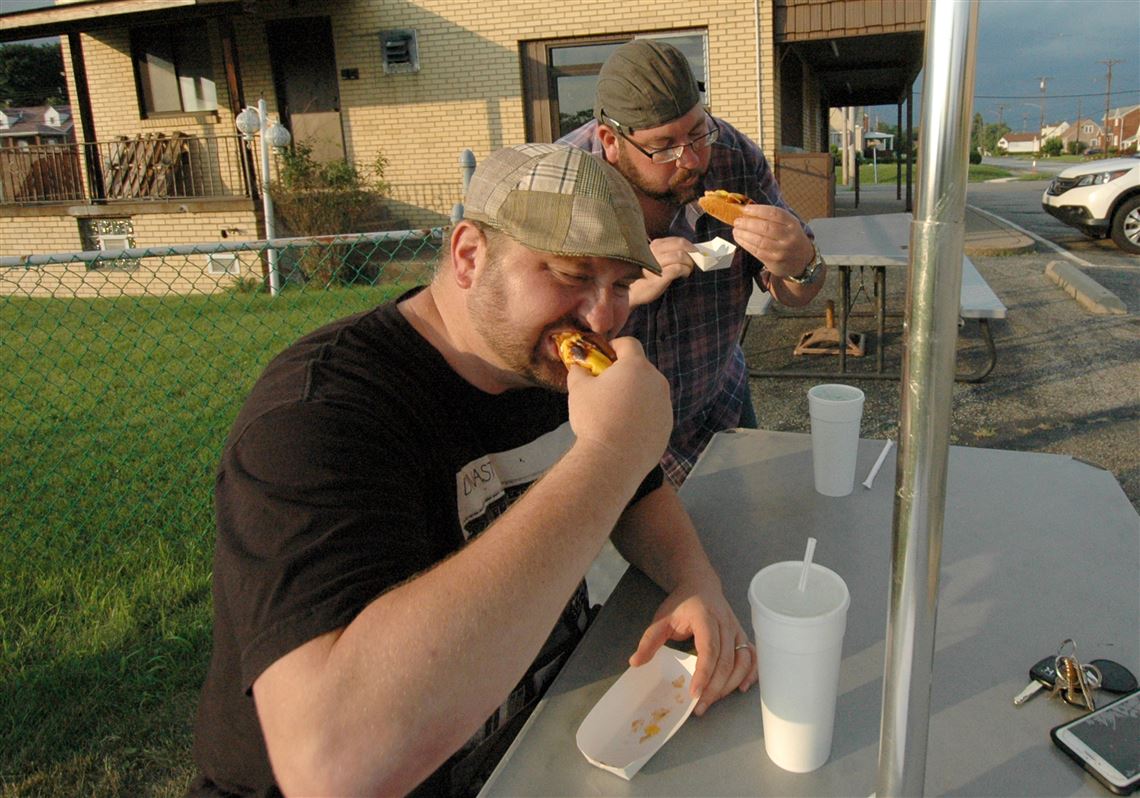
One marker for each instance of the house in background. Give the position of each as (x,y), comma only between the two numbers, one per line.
(1086,131)
(1056,131)
(1122,127)
(37,153)
(41,124)
(156,88)
(1019,142)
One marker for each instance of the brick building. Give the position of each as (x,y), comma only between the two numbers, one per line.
(162,82)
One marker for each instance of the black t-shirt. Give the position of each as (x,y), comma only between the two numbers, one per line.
(359,460)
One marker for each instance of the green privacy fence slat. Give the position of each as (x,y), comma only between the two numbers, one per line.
(120,374)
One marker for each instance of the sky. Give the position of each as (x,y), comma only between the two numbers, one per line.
(1065,41)
(1019,43)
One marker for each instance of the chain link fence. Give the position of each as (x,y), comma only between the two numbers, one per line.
(120,374)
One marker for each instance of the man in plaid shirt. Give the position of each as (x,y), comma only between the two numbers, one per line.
(650,124)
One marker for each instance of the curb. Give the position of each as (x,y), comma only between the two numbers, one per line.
(1090,294)
(1000,239)
(983,249)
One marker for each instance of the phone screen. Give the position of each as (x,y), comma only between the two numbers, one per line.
(1110,734)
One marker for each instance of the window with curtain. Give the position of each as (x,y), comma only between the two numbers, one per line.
(173,70)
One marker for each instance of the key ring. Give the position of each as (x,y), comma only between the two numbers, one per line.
(1075,681)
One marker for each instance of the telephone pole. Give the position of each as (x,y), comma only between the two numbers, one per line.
(1044,80)
(1000,109)
(1107,103)
(1078,152)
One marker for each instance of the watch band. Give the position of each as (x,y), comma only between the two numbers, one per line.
(811,272)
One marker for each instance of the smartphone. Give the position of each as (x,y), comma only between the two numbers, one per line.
(1106,743)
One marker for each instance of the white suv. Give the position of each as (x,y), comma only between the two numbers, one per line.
(1099,198)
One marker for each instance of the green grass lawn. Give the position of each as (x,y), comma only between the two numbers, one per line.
(114,414)
(887,173)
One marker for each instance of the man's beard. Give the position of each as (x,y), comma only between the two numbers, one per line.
(523,359)
(684,186)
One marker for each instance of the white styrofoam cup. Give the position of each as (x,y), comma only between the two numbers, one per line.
(836,411)
(799,644)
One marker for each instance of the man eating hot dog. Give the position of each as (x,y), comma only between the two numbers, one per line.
(410,497)
(649,122)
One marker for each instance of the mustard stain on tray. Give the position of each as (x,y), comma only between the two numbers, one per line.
(653,728)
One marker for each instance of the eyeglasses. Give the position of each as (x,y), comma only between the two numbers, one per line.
(670,154)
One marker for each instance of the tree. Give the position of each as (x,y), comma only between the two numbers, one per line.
(990,135)
(31,74)
(1052,146)
(976,130)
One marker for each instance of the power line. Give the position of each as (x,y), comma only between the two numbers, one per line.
(1053,96)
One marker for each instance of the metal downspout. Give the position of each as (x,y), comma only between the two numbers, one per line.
(931,323)
(759,88)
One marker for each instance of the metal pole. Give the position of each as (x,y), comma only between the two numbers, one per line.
(466,169)
(898,153)
(266,199)
(937,237)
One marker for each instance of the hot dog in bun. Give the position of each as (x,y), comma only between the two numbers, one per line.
(576,349)
(724,205)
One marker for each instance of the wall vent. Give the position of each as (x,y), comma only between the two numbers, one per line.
(221,263)
(400,51)
(111,241)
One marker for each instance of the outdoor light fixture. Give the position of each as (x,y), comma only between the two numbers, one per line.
(251,122)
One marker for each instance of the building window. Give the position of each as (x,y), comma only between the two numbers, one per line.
(560,75)
(111,236)
(173,70)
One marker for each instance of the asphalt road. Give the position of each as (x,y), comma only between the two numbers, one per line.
(1019,202)
(1066,381)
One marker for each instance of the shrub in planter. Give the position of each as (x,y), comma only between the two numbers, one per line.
(312,199)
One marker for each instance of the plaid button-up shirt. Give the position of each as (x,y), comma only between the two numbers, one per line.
(692,331)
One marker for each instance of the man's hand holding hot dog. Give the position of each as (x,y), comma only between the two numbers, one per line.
(776,239)
(625,410)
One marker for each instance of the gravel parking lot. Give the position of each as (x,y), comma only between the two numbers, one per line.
(1066,381)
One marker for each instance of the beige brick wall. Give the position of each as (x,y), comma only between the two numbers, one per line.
(468,93)
(152,276)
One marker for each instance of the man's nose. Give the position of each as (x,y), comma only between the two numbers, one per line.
(600,310)
(689,157)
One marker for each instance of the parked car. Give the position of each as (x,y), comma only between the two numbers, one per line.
(1100,198)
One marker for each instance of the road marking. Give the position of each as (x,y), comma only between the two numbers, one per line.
(1060,250)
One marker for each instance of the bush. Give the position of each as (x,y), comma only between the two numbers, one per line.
(1052,147)
(1077,147)
(975,157)
(312,198)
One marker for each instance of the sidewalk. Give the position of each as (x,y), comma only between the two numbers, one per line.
(985,235)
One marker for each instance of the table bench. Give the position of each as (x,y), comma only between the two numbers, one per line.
(881,242)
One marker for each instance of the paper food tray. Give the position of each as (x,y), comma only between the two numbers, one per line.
(639,713)
(715,254)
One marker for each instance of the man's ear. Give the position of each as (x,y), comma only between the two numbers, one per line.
(468,251)
(609,141)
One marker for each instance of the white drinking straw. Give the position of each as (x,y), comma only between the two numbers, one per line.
(807,564)
(875,468)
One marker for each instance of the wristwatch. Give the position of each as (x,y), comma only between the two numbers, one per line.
(812,272)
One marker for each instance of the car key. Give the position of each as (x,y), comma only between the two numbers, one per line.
(1041,675)
(1044,674)
(1115,678)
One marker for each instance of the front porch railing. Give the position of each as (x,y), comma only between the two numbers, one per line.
(153,166)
